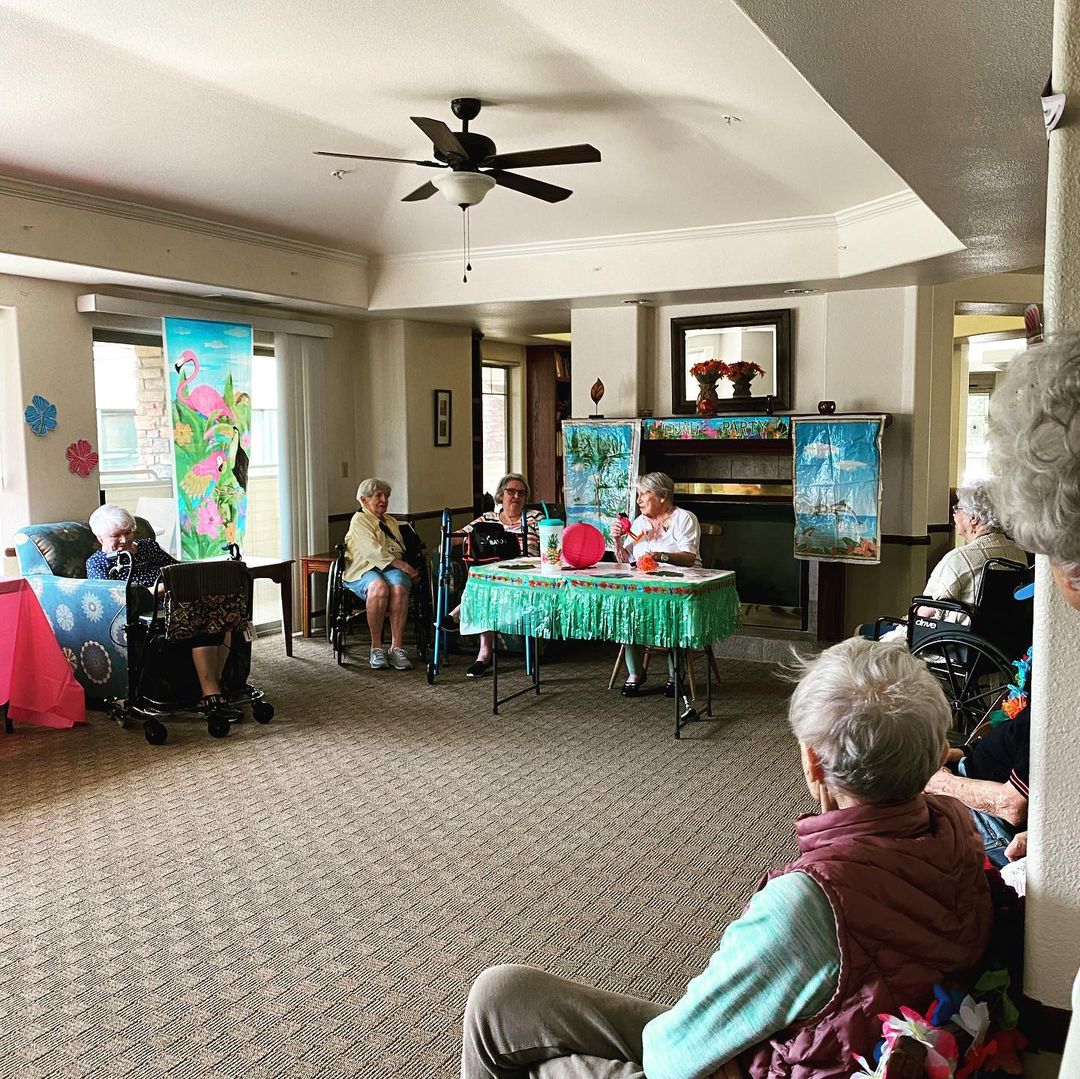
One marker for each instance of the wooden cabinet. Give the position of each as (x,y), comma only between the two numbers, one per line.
(547,396)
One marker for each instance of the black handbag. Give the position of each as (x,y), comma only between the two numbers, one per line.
(490,542)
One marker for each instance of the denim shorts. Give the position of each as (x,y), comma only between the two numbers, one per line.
(391,575)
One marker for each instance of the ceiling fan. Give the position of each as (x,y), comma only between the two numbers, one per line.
(474,166)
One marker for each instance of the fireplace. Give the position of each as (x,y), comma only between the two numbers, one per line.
(749,530)
(741,492)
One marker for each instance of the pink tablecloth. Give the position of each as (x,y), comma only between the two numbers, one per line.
(35,679)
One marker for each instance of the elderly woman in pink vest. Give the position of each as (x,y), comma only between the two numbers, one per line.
(886,896)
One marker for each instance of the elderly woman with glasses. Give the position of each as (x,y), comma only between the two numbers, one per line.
(886,898)
(377,572)
(669,534)
(511,497)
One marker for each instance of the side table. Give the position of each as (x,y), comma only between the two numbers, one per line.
(280,572)
(309,564)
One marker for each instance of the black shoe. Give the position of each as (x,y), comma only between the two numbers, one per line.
(632,689)
(450,625)
(478,669)
(688,714)
(215,704)
(669,690)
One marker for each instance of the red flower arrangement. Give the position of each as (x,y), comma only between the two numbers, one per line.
(711,370)
(82,459)
(743,369)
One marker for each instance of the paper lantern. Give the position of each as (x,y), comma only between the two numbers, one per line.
(582,545)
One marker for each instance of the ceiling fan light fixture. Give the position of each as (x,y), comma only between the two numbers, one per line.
(463,188)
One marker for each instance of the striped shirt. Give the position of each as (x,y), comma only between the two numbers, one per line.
(777,964)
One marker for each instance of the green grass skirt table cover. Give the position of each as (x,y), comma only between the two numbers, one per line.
(671,607)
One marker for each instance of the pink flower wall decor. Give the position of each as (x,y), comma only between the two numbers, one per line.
(82,460)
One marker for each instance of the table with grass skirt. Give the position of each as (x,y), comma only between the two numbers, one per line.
(676,608)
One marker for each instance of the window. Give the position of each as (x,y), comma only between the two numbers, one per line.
(495,384)
(135,444)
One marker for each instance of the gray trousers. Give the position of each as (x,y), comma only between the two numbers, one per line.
(523,1023)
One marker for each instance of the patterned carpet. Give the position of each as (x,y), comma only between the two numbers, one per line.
(314,897)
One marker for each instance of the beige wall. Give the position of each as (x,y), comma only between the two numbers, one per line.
(612,344)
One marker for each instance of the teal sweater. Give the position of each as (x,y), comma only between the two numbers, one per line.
(777,964)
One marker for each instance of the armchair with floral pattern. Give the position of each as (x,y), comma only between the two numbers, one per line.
(88,617)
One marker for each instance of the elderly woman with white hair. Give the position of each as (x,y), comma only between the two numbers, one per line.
(886,898)
(1035,455)
(376,570)
(114,528)
(665,532)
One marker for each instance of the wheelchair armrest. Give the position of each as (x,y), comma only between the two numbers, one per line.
(886,622)
(955,605)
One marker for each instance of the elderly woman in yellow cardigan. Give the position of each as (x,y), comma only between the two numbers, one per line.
(376,571)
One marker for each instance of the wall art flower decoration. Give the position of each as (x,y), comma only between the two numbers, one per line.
(82,460)
(40,415)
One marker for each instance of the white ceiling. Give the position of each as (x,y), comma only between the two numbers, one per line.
(215,109)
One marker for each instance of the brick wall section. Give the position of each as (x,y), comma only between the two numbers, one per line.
(153,424)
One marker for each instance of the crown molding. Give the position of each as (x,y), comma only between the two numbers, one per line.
(139,212)
(809,223)
(887,204)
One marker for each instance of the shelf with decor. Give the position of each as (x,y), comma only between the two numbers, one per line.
(548,403)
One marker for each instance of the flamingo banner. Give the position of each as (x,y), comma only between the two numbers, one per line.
(208,365)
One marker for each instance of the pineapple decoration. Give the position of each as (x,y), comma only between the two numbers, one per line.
(596,393)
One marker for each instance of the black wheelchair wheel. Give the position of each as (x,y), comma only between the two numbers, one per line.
(262,711)
(218,726)
(155,732)
(974,675)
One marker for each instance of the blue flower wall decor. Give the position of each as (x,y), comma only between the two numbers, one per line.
(41,415)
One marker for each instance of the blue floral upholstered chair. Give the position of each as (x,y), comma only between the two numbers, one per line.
(88,617)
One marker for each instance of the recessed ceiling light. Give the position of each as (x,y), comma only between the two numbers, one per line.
(638,303)
(799,291)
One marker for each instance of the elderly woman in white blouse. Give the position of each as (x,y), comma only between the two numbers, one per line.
(666,532)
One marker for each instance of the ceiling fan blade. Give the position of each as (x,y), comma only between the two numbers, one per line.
(369,157)
(554,155)
(424,191)
(528,186)
(441,136)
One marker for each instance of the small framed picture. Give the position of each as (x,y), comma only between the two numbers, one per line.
(442,417)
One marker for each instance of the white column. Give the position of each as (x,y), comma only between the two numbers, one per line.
(1053,911)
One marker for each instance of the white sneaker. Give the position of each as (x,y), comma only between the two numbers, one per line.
(377,661)
(399,660)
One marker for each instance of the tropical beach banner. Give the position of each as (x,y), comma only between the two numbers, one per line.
(837,480)
(208,365)
(601,465)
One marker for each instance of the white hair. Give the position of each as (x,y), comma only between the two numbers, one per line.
(875,717)
(659,484)
(369,486)
(974,499)
(1035,449)
(106,518)
(506,479)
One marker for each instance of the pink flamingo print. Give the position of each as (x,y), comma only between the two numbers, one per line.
(203,399)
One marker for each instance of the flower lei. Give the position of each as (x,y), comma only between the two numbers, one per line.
(965,1035)
(1017,699)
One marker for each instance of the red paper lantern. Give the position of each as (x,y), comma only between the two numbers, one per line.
(582,545)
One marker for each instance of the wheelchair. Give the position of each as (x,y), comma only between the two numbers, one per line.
(190,599)
(973,659)
(346,613)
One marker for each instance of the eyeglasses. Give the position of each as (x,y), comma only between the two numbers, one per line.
(517,492)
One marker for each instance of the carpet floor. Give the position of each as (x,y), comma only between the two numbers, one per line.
(314,897)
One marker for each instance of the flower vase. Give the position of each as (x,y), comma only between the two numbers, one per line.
(742,387)
(708,401)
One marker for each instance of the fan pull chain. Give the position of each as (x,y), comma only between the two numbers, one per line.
(468,240)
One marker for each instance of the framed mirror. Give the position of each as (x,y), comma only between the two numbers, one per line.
(752,337)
